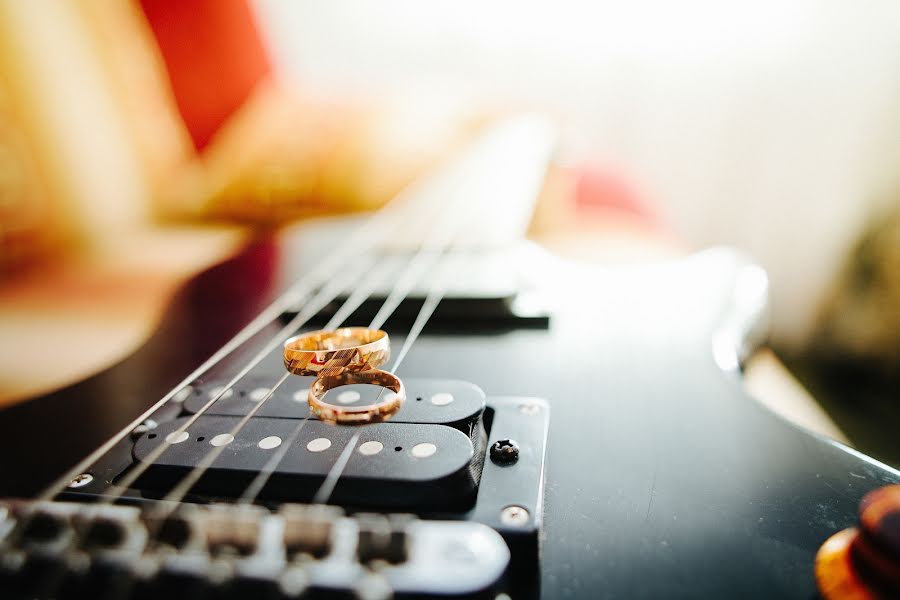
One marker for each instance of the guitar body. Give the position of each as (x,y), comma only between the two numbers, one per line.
(662,477)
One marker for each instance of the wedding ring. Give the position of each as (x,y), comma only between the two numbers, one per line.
(334,352)
(388,403)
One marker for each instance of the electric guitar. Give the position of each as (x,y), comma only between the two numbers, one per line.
(569,430)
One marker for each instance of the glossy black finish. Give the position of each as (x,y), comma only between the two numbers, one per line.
(50,434)
(392,479)
(664,478)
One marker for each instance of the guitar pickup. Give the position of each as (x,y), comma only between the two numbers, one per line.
(401,466)
(450,402)
(494,289)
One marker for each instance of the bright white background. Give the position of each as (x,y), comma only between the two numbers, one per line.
(769,125)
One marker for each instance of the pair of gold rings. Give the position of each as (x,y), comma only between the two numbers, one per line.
(345,356)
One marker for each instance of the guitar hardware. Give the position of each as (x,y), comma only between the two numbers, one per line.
(227,549)
(379,476)
(514,516)
(72,550)
(490,295)
(504,451)
(443,401)
(81,481)
(864,561)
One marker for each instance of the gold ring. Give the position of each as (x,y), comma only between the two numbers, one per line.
(389,403)
(335,352)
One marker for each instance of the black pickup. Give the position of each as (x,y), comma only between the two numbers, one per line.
(399,466)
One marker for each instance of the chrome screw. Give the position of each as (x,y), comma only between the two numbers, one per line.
(514,516)
(81,481)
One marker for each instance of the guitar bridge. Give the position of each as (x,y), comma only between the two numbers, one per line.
(69,550)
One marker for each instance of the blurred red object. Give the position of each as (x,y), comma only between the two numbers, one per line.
(214,56)
(602,191)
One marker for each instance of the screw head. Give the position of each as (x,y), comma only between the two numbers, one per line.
(505,451)
(81,481)
(514,516)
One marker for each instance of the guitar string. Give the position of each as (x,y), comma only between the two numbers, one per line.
(271,312)
(295,294)
(352,303)
(181,490)
(399,292)
(359,295)
(434,296)
(298,292)
(256,486)
(331,290)
(432,299)
(319,301)
(426,256)
(441,240)
(349,306)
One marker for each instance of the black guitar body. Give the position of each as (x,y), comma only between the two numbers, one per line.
(643,468)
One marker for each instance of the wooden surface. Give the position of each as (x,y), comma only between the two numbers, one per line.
(63,321)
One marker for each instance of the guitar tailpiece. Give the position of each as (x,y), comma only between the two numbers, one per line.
(72,550)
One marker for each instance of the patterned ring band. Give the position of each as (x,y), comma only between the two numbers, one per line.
(338,351)
(389,402)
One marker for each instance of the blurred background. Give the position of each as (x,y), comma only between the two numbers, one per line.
(769,126)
